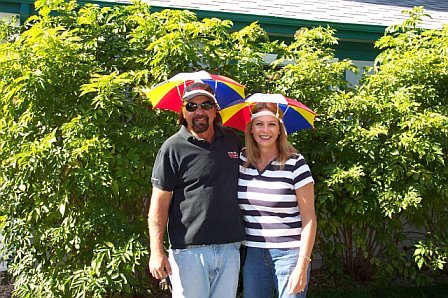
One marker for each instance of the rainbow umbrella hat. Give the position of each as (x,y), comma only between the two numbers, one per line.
(168,94)
(296,115)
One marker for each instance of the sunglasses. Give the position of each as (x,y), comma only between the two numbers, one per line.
(206,105)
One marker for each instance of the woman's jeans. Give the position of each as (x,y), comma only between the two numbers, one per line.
(205,271)
(268,269)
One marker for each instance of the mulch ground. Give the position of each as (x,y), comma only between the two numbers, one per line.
(5,288)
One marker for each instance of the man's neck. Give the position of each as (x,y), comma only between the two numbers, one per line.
(206,135)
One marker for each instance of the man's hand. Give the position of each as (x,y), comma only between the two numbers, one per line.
(159,266)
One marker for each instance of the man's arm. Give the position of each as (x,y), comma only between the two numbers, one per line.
(157,221)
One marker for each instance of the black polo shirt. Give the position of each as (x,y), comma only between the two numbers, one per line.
(204,180)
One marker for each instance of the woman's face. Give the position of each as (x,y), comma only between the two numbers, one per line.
(265,130)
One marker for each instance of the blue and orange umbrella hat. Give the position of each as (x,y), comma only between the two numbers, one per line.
(296,116)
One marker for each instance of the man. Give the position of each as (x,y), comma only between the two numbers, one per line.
(195,178)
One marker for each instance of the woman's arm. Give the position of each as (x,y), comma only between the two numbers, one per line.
(305,199)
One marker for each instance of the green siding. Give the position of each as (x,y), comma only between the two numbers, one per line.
(356,41)
(9,7)
(356,51)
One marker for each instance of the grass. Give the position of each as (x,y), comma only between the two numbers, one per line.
(430,291)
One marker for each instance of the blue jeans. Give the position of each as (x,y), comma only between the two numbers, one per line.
(268,269)
(205,271)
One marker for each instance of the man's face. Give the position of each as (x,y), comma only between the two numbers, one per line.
(200,112)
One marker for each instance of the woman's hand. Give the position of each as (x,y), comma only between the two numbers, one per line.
(298,278)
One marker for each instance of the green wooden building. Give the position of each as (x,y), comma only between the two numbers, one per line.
(358,23)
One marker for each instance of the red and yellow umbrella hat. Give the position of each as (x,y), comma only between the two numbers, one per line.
(168,94)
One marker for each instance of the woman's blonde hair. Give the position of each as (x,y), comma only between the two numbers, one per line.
(285,149)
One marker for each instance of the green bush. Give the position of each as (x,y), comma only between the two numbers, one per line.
(380,156)
(78,139)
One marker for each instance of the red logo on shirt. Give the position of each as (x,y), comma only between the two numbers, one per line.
(233,154)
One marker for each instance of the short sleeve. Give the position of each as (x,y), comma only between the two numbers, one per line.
(164,173)
(302,173)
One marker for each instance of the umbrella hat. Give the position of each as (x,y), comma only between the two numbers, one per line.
(296,115)
(168,94)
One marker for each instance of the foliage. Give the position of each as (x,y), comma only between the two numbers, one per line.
(77,139)
(73,177)
(8,30)
(382,164)
(418,95)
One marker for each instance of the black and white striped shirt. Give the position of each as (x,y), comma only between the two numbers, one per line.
(268,201)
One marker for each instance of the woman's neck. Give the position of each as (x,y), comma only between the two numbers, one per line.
(267,155)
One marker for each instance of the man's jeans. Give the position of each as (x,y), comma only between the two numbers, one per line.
(265,269)
(205,271)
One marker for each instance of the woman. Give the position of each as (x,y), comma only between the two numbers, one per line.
(276,195)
